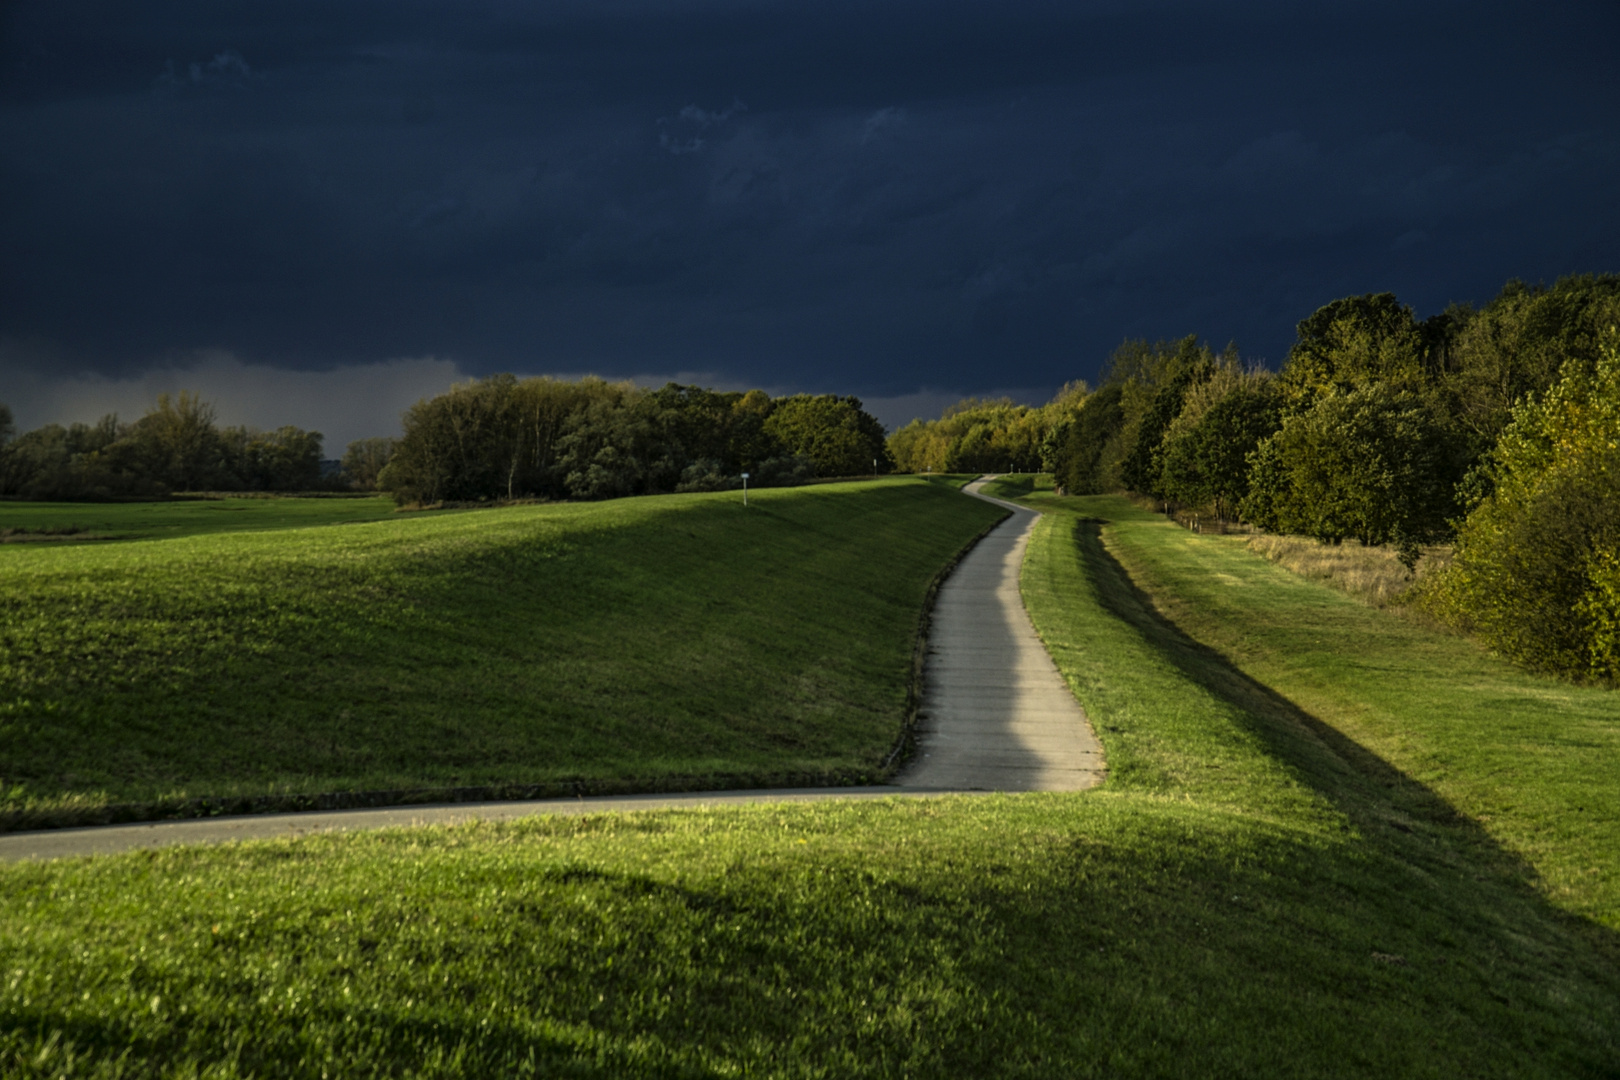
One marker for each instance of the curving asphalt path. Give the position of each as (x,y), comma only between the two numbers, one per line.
(995,716)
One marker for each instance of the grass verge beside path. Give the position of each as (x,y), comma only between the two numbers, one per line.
(1232,903)
(1442,727)
(633,643)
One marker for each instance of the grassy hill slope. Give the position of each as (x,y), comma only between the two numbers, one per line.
(86,522)
(1239,900)
(634,641)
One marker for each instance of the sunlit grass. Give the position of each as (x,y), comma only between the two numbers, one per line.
(1251,894)
(639,640)
(1531,761)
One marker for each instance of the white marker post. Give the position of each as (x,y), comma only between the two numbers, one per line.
(745,489)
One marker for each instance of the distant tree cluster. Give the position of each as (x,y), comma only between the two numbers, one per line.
(176,446)
(494,438)
(506,438)
(977,435)
(1497,427)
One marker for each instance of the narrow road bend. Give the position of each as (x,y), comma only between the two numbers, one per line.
(996,714)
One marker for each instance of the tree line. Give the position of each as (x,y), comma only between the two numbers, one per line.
(507,438)
(1495,429)
(982,435)
(494,438)
(175,447)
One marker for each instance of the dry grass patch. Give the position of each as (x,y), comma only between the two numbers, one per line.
(1373,575)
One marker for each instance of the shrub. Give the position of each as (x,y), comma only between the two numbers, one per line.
(1599,610)
(789,471)
(1537,573)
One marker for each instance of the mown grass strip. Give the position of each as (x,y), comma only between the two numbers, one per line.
(1444,728)
(658,644)
(1230,904)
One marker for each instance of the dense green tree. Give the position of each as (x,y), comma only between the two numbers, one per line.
(11,469)
(1373,464)
(287,459)
(1206,452)
(1518,344)
(504,438)
(75,462)
(493,438)
(1077,449)
(836,433)
(16,470)
(983,435)
(612,449)
(1537,569)
(1142,468)
(456,445)
(919,447)
(36,462)
(991,436)
(176,444)
(748,444)
(695,421)
(1351,343)
(97,437)
(543,409)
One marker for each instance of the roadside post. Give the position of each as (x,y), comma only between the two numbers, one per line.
(745,489)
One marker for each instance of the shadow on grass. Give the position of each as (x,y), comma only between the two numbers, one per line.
(1037,935)
(683,643)
(1395,813)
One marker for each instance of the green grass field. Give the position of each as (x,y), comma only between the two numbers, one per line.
(644,642)
(78,523)
(1443,728)
(1263,888)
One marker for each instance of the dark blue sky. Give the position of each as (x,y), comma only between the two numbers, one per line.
(906,201)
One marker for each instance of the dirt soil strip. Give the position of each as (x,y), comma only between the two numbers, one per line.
(996,715)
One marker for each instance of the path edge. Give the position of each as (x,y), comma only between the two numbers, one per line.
(905,744)
(203,807)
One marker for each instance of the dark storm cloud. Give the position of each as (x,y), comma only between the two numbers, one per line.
(879,198)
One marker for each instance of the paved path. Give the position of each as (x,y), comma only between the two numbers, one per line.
(996,715)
